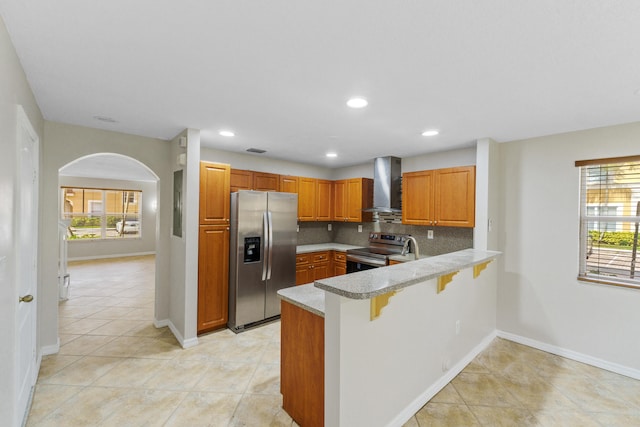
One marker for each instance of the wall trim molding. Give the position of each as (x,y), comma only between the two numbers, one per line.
(192,342)
(573,355)
(87,258)
(406,414)
(50,349)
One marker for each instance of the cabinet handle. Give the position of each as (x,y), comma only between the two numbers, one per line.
(435,222)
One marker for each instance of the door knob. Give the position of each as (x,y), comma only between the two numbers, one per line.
(26,298)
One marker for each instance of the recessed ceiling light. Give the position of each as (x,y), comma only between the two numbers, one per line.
(430,132)
(226,133)
(357,102)
(332,154)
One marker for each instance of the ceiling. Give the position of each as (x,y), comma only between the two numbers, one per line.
(278,73)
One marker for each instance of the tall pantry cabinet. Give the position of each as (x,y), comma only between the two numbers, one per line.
(213,247)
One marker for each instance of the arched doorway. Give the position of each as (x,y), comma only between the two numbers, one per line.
(108,209)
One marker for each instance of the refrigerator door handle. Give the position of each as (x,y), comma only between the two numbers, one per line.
(265,245)
(270,245)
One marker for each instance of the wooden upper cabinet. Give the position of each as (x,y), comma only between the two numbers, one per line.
(441,197)
(307,198)
(250,180)
(289,184)
(455,196)
(241,180)
(417,198)
(263,181)
(359,196)
(350,197)
(323,199)
(214,193)
(339,207)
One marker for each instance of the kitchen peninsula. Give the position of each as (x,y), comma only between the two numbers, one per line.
(386,340)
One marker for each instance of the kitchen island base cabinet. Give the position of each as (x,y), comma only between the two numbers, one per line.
(302,365)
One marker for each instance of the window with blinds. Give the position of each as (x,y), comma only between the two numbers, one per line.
(609,219)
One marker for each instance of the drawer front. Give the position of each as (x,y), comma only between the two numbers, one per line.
(302,259)
(320,257)
(340,257)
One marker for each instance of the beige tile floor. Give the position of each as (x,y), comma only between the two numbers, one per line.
(115,368)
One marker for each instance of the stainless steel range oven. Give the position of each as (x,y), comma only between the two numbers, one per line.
(381,246)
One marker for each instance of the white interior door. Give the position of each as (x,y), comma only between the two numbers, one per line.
(26,261)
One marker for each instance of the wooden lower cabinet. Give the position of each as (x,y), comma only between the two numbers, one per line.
(339,263)
(313,266)
(302,365)
(213,277)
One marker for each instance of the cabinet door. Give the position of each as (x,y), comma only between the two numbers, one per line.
(263,181)
(321,271)
(339,263)
(214,193)
(240,180)
(289,184)
(323,200)
(339,194)
(455,196)
(304,274)
(417,199)
(303,269)
(213,277)
(359,195)
(307,199)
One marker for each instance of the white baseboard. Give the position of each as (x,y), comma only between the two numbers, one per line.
(573,355)
(428,394)
(160,323)
(192,342)
(50,349)
(87,258)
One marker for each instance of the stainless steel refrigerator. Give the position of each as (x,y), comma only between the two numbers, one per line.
(262,256)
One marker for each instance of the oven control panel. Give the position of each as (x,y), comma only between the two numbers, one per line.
(388,238)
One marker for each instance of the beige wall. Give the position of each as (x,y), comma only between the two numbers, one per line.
(538,294)
(65,143)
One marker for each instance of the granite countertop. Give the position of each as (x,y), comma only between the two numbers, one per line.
(371,283)
(406,258)
(307,297)
(303,249)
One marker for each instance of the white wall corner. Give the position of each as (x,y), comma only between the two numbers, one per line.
(184,343)
(50,349)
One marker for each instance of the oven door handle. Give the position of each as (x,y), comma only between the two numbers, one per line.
(366,260)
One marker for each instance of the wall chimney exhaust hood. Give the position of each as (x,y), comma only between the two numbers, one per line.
(387,180)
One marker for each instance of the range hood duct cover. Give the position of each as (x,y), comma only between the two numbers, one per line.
(387,184)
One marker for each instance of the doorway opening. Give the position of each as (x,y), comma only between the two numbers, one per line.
(108,219)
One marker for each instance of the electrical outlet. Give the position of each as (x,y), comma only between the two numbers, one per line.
(328,227)
(359,228)
(298,228)
(429,234)
(457,327)
(445,364)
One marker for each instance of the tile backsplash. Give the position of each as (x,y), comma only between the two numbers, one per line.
(445,239)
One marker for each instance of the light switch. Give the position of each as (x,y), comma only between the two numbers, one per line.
(328,227)
(429,234)
(359,228)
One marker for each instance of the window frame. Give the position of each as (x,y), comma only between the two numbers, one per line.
(618,221)
(104,213)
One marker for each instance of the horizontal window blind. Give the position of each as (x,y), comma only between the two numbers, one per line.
(609,220)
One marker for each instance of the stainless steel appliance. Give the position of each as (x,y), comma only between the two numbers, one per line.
(262,256)
(387,185)
(381,245)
